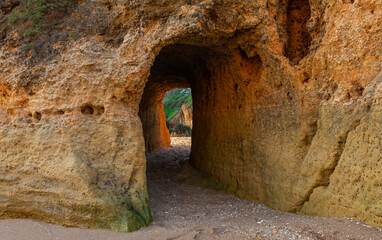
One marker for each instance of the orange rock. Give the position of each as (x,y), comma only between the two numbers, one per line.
(287,107)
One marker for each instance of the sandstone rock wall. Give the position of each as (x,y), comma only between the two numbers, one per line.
(184,116)
(284,118)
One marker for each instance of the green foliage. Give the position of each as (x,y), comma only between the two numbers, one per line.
(65,4)
(75,36)
(16,16)
(174,100)
(30,32)
(171,111)
(188,100)
(181,129)
(35,12)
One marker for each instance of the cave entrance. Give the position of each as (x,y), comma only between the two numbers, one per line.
(177,105)
(177,70)
(223,80)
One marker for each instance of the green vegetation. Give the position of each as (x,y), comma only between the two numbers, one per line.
(174,100)
(181,129)
(35,13)
(75,36)
(188,100)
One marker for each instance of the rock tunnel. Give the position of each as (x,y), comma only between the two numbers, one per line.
(247,135)
(283,111)
(223,80)
(251,127)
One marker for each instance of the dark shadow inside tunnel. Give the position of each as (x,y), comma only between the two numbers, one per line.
(177,66)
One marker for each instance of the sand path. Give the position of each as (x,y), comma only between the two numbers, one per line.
(183,211)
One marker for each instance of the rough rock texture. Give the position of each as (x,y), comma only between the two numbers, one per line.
(184,116)
(285,113)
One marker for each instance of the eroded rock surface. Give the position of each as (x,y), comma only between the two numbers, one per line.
(287,106)
(184,116)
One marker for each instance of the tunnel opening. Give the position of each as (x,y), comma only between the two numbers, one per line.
(175,67)
(224,83)
(177,105)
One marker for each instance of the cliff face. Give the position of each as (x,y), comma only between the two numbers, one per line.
(184,116)
(178,107)
(287,106)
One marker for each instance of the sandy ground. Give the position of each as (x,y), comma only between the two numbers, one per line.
(183,211)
